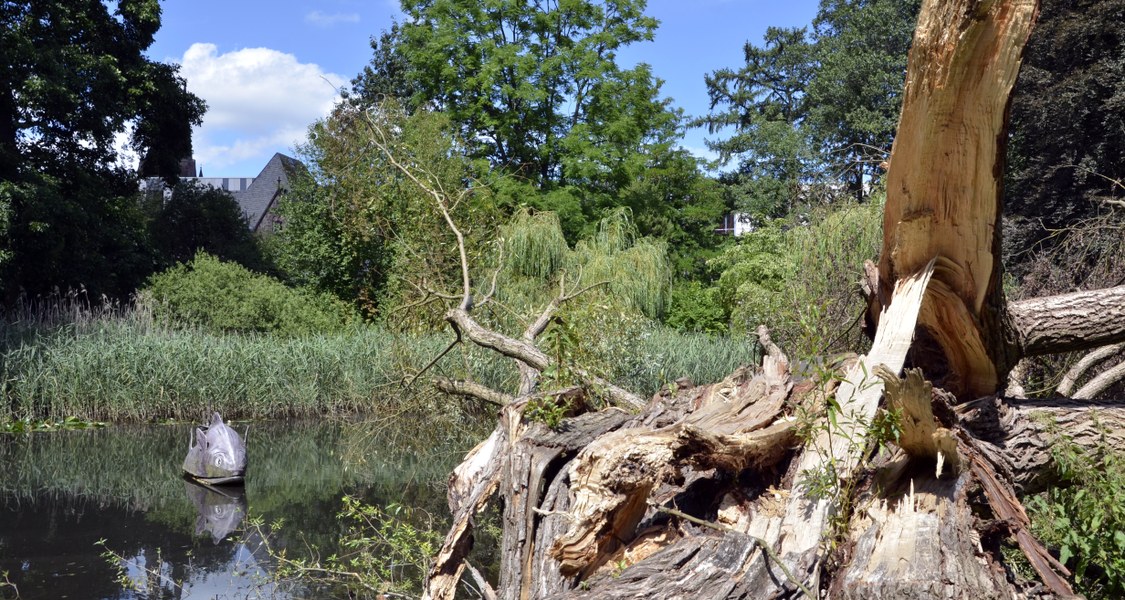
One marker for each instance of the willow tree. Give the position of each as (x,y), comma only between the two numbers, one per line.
(763,487)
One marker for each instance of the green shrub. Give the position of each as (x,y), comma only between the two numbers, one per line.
(222,297)
(693,307)
(801,280)
(1085,519)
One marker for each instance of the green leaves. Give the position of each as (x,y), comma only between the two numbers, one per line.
(810,115)
(1085,518)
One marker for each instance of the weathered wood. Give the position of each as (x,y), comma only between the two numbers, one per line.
(613,477)
(1022,433)
(919,543)
(944,177)
(921,435)
(1069,322)
(1101,382)
(531,467)
(1084,364)
(804,525)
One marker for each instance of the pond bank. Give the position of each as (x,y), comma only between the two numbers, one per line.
(126,369)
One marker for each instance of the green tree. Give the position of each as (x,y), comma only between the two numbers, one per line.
(388,75)
(765,105)
(855,96)
(515,76)
(810,113)
(73,76)
(203,219)
(1066,152)
(360,229)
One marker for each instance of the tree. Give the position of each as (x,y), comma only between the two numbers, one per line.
(387,76)
(517,77)
(73,76)
(1067,145)
(203,219)
(357,228)
(855,95)
(720,491)
(808,110)
(765,103)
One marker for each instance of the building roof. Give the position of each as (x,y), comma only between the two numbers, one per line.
(257,199)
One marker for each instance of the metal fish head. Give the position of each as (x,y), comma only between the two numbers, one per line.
(216,452)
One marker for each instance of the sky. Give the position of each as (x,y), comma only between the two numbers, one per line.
(268,70)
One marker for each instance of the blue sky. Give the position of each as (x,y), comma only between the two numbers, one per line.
(269,69)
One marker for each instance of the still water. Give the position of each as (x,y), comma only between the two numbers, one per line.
(62,492)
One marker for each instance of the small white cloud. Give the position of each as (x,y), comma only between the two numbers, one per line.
(259,101)
(327,20)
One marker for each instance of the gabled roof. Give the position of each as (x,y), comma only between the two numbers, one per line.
(257,199)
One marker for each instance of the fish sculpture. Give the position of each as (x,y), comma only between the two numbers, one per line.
(216,454)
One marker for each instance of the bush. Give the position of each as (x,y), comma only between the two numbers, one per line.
(1085,518)
(801,280)
(693,307)
(225,297)
(197,219)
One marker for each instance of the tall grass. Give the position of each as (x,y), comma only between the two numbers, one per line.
(118,364)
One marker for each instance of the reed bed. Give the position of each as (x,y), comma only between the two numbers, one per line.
(118,365)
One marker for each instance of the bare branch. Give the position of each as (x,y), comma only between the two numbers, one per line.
(472,389)
(1102,382)
(441,200)
(412,379)
(1066,386)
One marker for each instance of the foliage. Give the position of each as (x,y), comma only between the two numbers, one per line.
(856,93)
(536,95)
(362,230)
(1086,520)
(811,114)
(765,103)
(613,265)
(74,75)
(203,219)
(1067,123)
(384,551)
(116,363)
(693,307)
(220,297)
(802,280)
(387,76)
(517,77)
(76,231)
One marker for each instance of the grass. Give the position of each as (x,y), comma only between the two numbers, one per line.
(117,364)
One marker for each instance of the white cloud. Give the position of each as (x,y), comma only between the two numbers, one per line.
(327,20)
(259,101)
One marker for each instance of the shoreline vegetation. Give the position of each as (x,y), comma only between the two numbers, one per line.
(116,363)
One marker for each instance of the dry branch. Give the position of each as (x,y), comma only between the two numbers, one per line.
(1091,359)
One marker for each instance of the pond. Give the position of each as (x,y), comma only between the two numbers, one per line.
(62,492)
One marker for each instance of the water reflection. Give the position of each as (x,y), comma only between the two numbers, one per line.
(62,492)
(220,509)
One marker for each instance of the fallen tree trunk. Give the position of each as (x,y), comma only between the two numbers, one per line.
(759,488)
